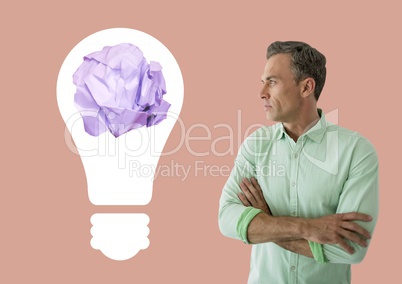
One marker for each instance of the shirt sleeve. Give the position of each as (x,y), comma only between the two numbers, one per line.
(234,217)
(359,194)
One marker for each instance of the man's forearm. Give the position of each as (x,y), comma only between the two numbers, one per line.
(264,228)
(297,246)
(329,229)
(286,235)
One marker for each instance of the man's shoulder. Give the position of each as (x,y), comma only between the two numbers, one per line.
(350,137)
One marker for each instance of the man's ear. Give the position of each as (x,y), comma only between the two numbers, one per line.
(308,86)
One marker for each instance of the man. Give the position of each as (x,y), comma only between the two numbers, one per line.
(304,192)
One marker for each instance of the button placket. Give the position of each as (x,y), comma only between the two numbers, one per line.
(293,179)
(293,268)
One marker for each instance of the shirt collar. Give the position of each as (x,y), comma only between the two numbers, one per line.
(280,131)
(315,133)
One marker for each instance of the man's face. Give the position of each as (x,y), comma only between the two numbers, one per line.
(280,92)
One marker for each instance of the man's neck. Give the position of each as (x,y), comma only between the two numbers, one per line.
(302,124)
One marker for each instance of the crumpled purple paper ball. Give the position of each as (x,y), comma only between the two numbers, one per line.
(118,90)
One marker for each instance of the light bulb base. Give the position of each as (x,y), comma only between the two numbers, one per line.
(119,236)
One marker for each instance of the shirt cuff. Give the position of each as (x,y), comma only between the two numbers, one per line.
(318,252)
(242,224)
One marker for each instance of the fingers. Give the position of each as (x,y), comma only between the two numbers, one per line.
(343,244)
(247,192)
(355,216)
(254,188)
(252,195)
(243,199)
(254,182)
(340,229)
(350,226)
(354,238)
(354,228)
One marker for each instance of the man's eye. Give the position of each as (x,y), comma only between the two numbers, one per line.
(271,82)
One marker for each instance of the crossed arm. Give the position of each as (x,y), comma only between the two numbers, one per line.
(336,238)
(293,233)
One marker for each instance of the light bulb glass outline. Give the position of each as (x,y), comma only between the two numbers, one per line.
(108,160)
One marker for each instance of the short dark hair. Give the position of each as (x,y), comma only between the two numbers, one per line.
(306,62)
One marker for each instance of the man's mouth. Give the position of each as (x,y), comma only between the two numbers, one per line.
(267,107)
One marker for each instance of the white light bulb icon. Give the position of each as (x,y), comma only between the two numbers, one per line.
(119,171)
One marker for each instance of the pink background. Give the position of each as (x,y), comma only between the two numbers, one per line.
(220,47)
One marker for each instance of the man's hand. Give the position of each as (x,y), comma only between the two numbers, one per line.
(252,195)
(337,228)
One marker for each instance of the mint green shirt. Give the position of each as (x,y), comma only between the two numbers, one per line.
(328,170)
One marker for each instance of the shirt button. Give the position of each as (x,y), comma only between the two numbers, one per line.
(293,268)
(296,155)
(293,183)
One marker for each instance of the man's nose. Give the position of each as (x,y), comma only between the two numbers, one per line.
(264,93)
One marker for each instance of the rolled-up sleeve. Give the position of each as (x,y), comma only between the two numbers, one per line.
(359,194)
(234,217)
